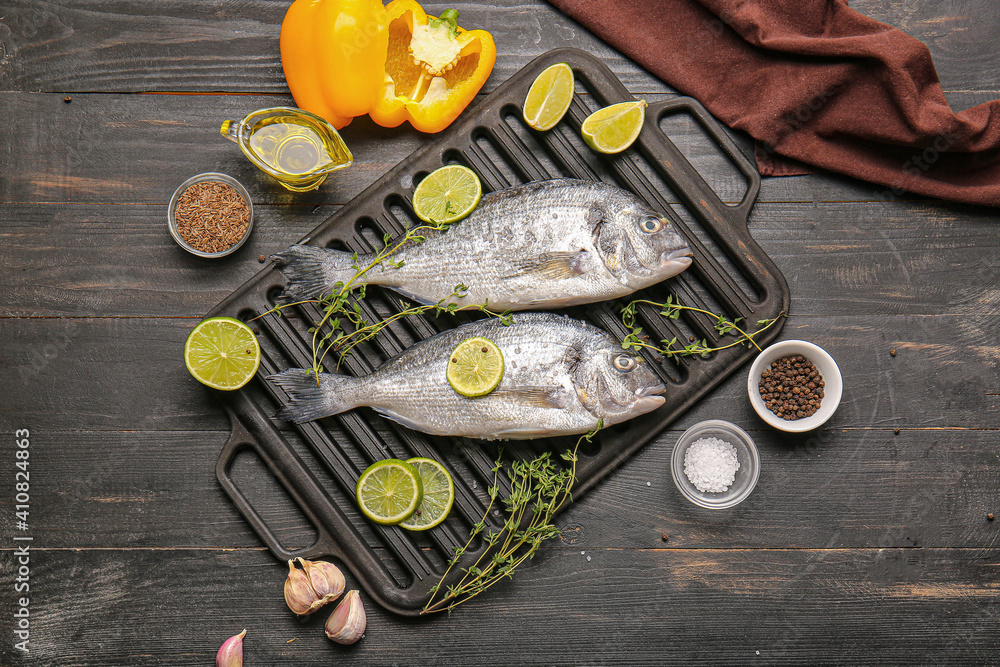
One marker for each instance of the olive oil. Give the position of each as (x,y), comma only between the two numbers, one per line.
(295,147)
(288,145)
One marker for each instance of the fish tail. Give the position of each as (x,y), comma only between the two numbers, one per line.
(312,272)
(309,399)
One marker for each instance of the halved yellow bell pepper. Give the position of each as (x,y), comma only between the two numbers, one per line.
(346,58)
(433,68)
(333,54)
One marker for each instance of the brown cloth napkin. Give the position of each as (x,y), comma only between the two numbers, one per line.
(816,82)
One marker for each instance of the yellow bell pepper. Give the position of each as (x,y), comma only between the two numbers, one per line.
(346,58)
(333,54)
(433,69)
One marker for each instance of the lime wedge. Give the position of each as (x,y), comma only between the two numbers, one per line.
(614,128)
(447,194)
(389,491)
(439,495)
(222,353)
(549,97)
(475,367)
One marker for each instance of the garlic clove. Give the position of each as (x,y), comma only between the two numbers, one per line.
(299,594)
(231,652)
(326,579)
(348,621)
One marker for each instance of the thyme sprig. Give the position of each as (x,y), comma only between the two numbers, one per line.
(539,489)
(671,309)
(345,324)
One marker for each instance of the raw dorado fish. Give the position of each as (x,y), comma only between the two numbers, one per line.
(547,244)
(560,377)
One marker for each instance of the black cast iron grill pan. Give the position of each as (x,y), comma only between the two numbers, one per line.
(317,464)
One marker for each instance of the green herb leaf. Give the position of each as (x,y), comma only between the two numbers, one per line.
(539,488)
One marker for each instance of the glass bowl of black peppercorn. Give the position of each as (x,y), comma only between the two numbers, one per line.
(795,386)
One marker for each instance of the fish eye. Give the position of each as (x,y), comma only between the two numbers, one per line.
(651,225)
(624,363)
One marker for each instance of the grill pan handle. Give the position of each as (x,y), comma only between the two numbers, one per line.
(690,181)
(278,460)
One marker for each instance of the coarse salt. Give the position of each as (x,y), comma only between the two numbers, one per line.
(711,464)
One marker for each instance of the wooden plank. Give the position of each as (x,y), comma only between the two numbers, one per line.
(99,152)
(836,488)
(840,488)
(921,260)
(125,149)
(113,260)
(610,607)
(128,373)
(110,46)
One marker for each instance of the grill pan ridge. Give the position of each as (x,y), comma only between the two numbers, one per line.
(317,464)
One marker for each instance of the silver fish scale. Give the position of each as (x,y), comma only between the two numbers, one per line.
(501,250)
(537,388)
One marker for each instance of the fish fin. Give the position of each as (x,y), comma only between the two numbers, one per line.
(309,399)
(536,397)
(312,272)
(552,265)
(400,419)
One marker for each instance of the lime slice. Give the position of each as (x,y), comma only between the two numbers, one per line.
(549,97)
(222,353)
(475,367)
(447,194)
(439,495)
(389,491)
(614,128)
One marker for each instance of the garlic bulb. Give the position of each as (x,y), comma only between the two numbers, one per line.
(316,584)
(299,594)
(326,579)
(348,621)
(231,652)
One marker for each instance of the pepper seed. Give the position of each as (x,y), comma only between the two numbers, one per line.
(791,388)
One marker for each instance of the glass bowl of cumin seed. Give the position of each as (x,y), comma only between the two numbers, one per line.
(210,215)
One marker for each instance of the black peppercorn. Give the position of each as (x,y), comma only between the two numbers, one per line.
(791,388)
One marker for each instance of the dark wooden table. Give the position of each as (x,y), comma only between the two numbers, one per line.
(865,542)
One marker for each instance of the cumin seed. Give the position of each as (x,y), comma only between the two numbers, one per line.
(212,216)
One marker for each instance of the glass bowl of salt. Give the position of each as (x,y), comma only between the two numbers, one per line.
(715,464)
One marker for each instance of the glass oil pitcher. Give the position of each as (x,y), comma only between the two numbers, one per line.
(296,147)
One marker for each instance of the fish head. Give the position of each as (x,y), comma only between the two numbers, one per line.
(615,384)
(637,245)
